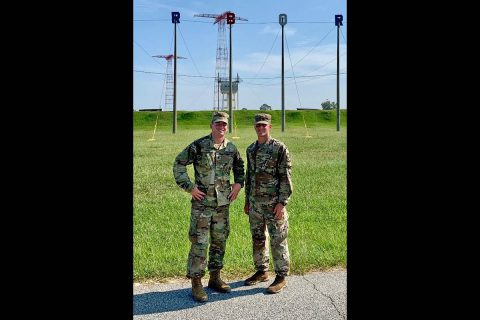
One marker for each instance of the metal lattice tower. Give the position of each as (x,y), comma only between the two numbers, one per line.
(168,80)
(222,56)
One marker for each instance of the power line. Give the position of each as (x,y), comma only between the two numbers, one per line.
(264,78)
(341,32)
(309,78)
(178,75)
(290,58)
(185,43)
(147,52)
(313,47)
(334,59)
(268,54)
(276,22)
(249,22)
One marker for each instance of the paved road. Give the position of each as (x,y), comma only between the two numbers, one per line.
(318,295)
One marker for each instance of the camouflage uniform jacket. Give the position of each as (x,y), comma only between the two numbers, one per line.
(212,169)
(269,168)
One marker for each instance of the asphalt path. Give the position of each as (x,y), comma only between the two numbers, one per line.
(317,295)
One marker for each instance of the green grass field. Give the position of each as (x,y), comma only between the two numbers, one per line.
(317,209)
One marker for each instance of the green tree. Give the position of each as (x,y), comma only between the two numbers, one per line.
(265,107)
(328,105)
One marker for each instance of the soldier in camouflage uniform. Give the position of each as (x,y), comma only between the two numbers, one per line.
(213,157)
(268,187)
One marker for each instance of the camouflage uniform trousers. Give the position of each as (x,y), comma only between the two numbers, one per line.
(205,220)
(261,216)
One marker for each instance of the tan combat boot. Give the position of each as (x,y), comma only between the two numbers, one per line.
(198,292)
(277,285)
(218,284)
(259,276)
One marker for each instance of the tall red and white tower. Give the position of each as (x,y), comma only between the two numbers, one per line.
(222,57)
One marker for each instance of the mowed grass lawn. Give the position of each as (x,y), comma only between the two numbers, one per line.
(317,209)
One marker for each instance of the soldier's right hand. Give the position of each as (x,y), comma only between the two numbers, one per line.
(246,208)
(197,194)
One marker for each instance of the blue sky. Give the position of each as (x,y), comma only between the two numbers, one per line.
(310,45)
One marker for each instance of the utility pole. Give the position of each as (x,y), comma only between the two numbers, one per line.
(230,21)
(175,20)
(236,100)
(282,19)
(338,23)
(218,92)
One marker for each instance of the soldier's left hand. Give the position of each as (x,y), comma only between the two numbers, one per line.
(279,211)
(235,190)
